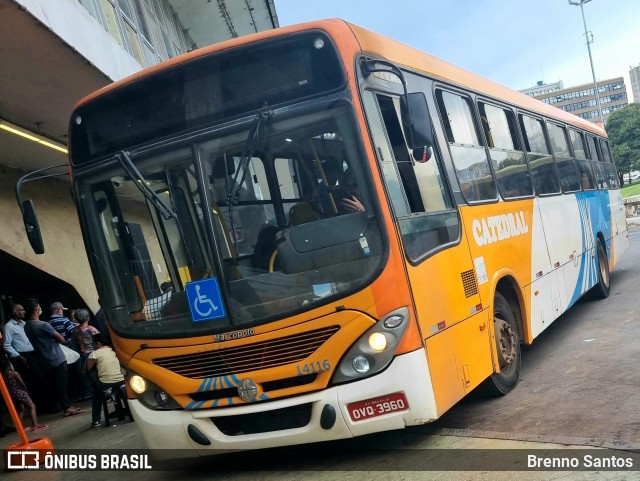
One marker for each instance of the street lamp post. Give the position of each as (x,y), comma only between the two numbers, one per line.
(593,72)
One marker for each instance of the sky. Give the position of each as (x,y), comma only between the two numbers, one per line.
(513,42)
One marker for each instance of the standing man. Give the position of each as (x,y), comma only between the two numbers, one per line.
(46,341)
(66,328)
(21,352)
(16,342)
(59,322)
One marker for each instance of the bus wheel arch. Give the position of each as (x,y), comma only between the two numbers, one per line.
(508,288)
(508,334)
(603,284)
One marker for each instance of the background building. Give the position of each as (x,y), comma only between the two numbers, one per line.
(634,75)
(542,88)
(581,100)
(53,53)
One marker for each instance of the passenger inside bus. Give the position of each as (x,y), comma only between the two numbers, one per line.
(348,197)
(340,195)
(322,197)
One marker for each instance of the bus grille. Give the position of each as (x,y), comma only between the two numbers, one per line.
(291,417)
(248,357)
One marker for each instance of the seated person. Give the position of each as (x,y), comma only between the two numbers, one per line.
(322,198)
(347,195)
(107,374)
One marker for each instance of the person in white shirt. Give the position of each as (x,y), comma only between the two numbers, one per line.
(103,359)
(16,342)
(22,355)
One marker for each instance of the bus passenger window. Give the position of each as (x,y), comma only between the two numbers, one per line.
(599,169)
(587,167)
(468,154)
(543,169)
(571,179)
(607,166)
(509,162)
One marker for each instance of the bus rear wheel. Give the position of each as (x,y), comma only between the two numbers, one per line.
(507,347)
(602,287)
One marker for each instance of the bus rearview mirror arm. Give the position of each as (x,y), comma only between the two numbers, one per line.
(27,208)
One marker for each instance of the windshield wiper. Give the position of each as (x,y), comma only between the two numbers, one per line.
(253,140)
(140,182)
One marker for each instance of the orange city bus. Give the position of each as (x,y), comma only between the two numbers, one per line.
(316,232)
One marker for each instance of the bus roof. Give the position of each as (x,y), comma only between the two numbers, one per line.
(381,46)
(351,38)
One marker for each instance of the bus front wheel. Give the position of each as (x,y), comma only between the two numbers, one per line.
(507,347)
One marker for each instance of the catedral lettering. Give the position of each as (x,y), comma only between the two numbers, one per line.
(499,227)
(293,188)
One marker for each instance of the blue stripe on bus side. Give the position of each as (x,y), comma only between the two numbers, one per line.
(595,216)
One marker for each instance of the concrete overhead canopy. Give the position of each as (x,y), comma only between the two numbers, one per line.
(55,53)
(211,21)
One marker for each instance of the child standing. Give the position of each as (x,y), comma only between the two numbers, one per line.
(19,394)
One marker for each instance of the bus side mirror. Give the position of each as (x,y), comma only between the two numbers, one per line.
(416,121)
(31,226)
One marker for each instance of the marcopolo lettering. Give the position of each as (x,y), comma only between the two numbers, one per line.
(488,230)
(230,336)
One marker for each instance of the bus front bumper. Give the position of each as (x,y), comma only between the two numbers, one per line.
(173,431)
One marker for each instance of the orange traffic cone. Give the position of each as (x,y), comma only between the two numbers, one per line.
(27,454)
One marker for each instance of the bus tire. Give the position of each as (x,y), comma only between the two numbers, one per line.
(602,287)
(507,347)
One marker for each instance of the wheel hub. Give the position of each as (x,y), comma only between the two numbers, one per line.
(506,342)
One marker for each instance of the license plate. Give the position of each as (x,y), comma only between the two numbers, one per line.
(379,406)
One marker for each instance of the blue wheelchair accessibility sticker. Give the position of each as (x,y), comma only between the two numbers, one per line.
(205,300)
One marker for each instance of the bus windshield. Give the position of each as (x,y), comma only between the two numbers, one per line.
(276,207)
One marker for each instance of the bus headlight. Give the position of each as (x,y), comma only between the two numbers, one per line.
(377,341)
(138,384)
(150,395)
(373,351)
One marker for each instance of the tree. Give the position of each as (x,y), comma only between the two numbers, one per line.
(623,128)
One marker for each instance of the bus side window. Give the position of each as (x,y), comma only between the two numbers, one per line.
(607,165)
(509,163)
(600,171)
(468,153)
(587,167)
(543,169)
(571,180)
(418,190)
